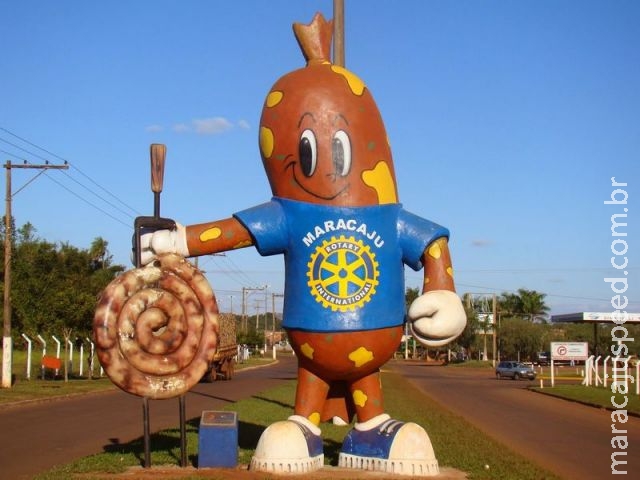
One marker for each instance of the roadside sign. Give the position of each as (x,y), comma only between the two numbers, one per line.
(569,350)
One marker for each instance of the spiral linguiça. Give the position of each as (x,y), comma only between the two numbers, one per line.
(156,328)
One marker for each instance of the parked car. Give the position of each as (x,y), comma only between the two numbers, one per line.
(514,370)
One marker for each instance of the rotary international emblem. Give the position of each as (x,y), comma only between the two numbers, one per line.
(343,273)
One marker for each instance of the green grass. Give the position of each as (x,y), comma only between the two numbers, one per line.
(38,389)
(596,396)
(44,389)
(457,443)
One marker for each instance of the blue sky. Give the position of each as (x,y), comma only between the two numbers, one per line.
(507,121)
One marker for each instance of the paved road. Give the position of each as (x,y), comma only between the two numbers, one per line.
(36,437)
(569,439)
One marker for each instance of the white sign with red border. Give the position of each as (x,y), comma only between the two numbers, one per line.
(569,350)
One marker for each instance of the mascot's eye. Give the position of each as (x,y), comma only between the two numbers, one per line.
(308,152)
(341,151)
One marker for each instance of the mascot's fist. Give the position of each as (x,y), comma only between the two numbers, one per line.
(163,241)
(437,318)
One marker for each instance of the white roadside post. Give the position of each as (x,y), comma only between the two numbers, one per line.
(406,341)
(81,360)
(44,344)
(28,340)
(91,353)
(70,343)
(588,369)
(44,351)
(57,351)
(553,378)
(604,370)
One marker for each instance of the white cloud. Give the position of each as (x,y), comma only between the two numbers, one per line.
(556,280)
(480,243)
(211,126)
(181,128)
(203,126)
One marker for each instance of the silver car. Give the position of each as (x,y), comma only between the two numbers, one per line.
(515,370)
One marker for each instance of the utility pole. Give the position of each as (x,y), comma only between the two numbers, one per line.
(338,32)
(479,303)
(273,325)
(257,306)
(243,316)
(496,355)
(7,344)
(246,291)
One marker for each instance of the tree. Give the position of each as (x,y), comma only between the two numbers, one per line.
(55,287)
(526,304)
(532,304)
(521,339)
(509,304)
(99,253)
(410,294)
(468,336)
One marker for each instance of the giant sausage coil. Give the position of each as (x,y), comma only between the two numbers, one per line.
(156,328)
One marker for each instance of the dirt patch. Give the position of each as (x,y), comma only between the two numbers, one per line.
(243,473)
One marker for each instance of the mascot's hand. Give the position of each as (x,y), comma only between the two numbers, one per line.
(163,241)
(437,318)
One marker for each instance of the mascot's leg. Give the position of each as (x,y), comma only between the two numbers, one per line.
(377,442)
(295,445)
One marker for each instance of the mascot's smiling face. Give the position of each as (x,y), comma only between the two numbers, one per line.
(322,139)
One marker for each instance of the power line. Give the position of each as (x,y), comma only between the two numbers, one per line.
(234,273)
(76,169)
(128,225)
(104,189)
(508,290)
(101,197)
(59,158)
(24,149)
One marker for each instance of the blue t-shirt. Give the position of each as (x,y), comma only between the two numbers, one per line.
(343,265)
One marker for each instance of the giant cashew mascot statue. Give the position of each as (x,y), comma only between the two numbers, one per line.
(336,218)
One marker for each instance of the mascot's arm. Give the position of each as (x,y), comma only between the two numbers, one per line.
(195,240)
(438,272)
(437,317)
(218,236)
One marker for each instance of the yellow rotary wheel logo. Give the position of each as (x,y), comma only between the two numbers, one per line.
(343,273)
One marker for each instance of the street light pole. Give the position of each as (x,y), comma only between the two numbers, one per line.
(7,343)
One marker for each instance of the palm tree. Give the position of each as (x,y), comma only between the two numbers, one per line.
(509,304)
(99,252)
(533,305)
(526,304)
